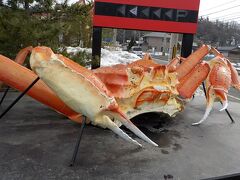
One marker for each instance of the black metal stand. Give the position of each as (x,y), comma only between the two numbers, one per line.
(19,97)
(96,47)
(75,152)
(4,94)
(229,115)
(187,42)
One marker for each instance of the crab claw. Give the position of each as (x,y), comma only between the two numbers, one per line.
(117,114)
(225,105)
(210,100)
(218,83)
(222,96)
(112,126)
(212,94)
(82,91)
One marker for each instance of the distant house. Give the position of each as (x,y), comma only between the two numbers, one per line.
(156,40)
(225,50)
(233,53)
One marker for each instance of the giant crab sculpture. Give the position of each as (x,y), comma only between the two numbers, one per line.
(111,96)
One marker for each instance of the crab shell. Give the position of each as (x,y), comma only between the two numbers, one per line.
(142,86)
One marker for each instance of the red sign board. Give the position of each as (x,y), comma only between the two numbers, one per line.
(178,16)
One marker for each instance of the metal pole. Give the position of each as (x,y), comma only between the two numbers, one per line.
(229,115)
(187,43)
(19,97)
(75,152)
(96,47)
(173,46)
(204,89)
(4,95)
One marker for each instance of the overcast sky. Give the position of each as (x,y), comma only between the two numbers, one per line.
(223,9)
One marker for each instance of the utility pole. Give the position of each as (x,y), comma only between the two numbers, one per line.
(114,37)
(173,46)
(164,44)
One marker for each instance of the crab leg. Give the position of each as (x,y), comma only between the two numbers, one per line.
(20,58)
(22,54)
(19,77)
(234,76)
(191,82)
(218,83)
(172,65)
(191,61)
(83,91)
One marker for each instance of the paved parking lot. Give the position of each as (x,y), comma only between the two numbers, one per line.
(37,143)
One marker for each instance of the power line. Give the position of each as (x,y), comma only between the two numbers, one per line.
(221,10)
(232,19)
(218,6)
(227,15)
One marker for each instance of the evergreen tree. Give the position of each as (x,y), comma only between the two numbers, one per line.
(41,24)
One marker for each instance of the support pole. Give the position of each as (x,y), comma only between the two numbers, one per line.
(187,43)
(19,97)
(75,152)
(4,95)
(96,47)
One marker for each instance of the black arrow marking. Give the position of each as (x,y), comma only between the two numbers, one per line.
(146,12)
(122,10)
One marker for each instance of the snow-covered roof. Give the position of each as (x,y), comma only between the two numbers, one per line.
(157,34)
(225,48)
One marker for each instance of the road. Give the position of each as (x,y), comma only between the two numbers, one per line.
(37,143)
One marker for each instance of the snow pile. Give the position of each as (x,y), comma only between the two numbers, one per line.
(108,58)
(75,50)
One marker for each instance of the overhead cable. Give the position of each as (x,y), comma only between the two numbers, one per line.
(220,10)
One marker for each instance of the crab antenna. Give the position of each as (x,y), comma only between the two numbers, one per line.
(126,122)
(112,126)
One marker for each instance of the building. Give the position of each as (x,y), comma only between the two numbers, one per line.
(225,50)
(233,53)
(156,41)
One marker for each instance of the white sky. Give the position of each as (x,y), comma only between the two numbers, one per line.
(212,6)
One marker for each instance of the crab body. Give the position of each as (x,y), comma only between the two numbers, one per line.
(140,88)
(111,96)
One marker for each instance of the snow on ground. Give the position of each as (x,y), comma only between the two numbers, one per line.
(108,58)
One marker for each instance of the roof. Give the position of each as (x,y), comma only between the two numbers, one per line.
(226,48)
(236,49)
(157,34)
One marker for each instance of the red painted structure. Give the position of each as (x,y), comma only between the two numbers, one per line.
(178,16)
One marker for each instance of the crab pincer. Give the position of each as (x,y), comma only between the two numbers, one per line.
(82,91)
(218,82)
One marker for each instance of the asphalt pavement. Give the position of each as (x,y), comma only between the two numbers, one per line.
(37,143)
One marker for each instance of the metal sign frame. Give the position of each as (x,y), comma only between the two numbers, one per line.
(149,15)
